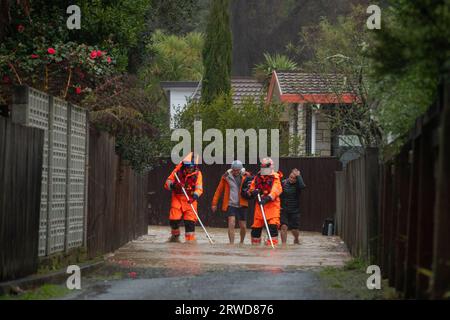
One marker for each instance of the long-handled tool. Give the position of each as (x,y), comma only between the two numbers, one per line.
(265,220)
(193,209)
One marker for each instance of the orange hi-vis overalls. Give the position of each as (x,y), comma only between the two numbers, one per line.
(180,207)
(270,186)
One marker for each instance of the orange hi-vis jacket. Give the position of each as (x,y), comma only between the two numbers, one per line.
(224,188)
(192,183)
(271,208)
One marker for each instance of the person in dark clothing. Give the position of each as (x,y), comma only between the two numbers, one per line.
(290,205)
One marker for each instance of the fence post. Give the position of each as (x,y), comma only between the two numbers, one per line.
(50,173)
(441,251)
(20,110)
(68,174)
(412,214)
(86,182)
(372,175)
(403,187)
(425,206)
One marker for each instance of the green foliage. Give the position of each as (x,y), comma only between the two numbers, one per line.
(414,34)
(263,71)
(68,72)
(402,100)
(356,264)
(110,27)
(125,109)
(411,53)
(117,25)
(175,57)
(45,292)
(176,17)
(137,150)
(142,150)
(217,53)
(221,114)
(75,71)
(340,59)
(349,282)
(376,65)
(339,46)
(407,79)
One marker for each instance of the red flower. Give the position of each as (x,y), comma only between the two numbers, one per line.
(20,28)
(34,56)
(132,275)
(99,53)
(51,51)
(108,59)
(93,54)
(77,90)
(6,79)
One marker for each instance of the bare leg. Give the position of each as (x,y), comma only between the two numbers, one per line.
(242,226)
(231,224)
(296,234)
(284,232)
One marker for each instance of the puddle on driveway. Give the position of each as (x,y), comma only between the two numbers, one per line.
(152,268)
(152,255)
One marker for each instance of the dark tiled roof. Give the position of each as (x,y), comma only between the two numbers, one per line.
(241,88)
(178,84)
(293,82)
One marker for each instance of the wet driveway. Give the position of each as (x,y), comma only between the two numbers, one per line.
(151,268)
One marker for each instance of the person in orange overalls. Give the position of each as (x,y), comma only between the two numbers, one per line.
(191,179)
(266,183)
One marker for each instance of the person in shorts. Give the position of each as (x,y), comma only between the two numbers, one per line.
(290,206)
(234,204)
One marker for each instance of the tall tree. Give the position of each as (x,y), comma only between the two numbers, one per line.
(217,53)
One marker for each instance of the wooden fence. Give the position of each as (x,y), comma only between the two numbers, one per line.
(317,201)
(21,157)
(357,205)
(117,201)
(413,242)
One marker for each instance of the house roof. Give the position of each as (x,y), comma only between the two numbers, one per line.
(242,87)
(167,85)
(302,87)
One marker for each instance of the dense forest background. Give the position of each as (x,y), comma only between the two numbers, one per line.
(270,25)
(260,26)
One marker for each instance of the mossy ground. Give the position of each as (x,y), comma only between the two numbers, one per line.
(45,292)
(349,282)
(62,260)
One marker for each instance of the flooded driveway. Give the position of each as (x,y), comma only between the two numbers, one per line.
(151,268)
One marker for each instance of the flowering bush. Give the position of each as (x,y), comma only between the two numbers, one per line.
(85,67)
(38,55)
(63,69)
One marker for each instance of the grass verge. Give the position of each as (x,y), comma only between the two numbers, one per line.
(349,282)
(45,292)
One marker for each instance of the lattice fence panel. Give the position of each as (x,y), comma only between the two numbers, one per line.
(77,177)
(63,200)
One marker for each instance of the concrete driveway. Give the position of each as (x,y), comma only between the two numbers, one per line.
(151,268)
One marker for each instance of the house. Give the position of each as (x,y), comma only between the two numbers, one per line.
(241,88)
(306,97)
(178,94)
